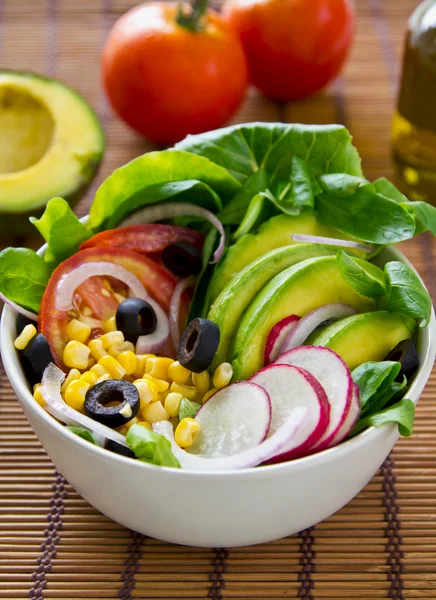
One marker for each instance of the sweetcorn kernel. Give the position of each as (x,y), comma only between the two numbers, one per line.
(76,330)
(145,424)
(96,348)
(178,373)
(72,376)
(142,361)
(117,349)
(208,394)
(130,423)
(186,432)
(37,394)
(128,361)
(98,370)
(223,375)
(147,390)
(172,403)
(75,394)
(25,336)
(104,377)
(187,391)
(162,386)
(201,381)
(112,337)
(91,362)
(76,355)
(112,366)
(158,367)
(110,325)
(154,412)
(89,377)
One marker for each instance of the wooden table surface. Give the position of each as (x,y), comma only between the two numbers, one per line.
(53,544)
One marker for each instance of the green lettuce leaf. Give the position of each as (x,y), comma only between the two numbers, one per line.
(259,210)
(23,277)
(151,447)
(367,279)
(374,379)
(82,432)
(188,409)
(340,185)
(156,177)
(402,413)
(386,188)
(233,213)
(62,231)
(406,293)
(425,215)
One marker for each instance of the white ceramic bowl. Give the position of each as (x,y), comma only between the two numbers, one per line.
(232,508)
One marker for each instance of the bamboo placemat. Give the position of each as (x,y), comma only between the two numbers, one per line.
(55,545)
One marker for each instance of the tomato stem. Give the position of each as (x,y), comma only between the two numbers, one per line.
(190,15)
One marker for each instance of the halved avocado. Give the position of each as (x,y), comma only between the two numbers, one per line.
(368,337)
(51,144)
(230,305)
(275,233)
(295,291)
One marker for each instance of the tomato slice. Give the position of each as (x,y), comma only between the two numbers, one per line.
(145,239)
(96,298)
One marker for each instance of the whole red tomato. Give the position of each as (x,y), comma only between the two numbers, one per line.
(167,76)
(293,47)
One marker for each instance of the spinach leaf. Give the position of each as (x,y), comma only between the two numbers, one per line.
(302,196)
(386,188)
(23,277)
(402,413)
(188,409)
(340,185)
(151,447)
(367,216)
(364,277)
(82,432)
(235,210)
(373,379)
(156,177)
(259,210)
(425,215)
(406,294)
(199,302)
(62,231)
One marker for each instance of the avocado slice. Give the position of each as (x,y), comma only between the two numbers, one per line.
(296,290)
(230,305)
(51,144)
(274,233)
(366,337)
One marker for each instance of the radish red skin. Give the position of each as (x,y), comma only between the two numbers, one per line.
(277,336)
(295,356)
(322,419)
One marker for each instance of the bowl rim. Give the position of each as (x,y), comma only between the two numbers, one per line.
(16,377)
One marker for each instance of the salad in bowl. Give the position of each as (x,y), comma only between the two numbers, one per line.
(229,303)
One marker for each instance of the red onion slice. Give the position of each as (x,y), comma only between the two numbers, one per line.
(153,342)
(55,405)
(176,299)
(167,210)
(317,239)
(242,460)
(70,281)
(305,326)
(19,309)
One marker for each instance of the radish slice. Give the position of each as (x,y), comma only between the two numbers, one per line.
(153,342)
(69,282)
(327,241)
(299,334)
(19,309)
(353,414)
(55,405)
(176,299)
(334,376)
(277,336)
(167,210)
(234,419)
(243,460)
(289,387)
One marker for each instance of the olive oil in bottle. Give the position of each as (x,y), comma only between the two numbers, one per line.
(414,123)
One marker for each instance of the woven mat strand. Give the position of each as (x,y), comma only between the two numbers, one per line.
(55,545)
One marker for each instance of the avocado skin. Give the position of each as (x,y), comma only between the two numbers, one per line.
(365,337)
(297,290)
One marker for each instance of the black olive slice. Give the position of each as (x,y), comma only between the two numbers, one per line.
(135,317)
(108,391)
(35,357)
(119,449)
(198,345)
(405,353)
(182,258)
